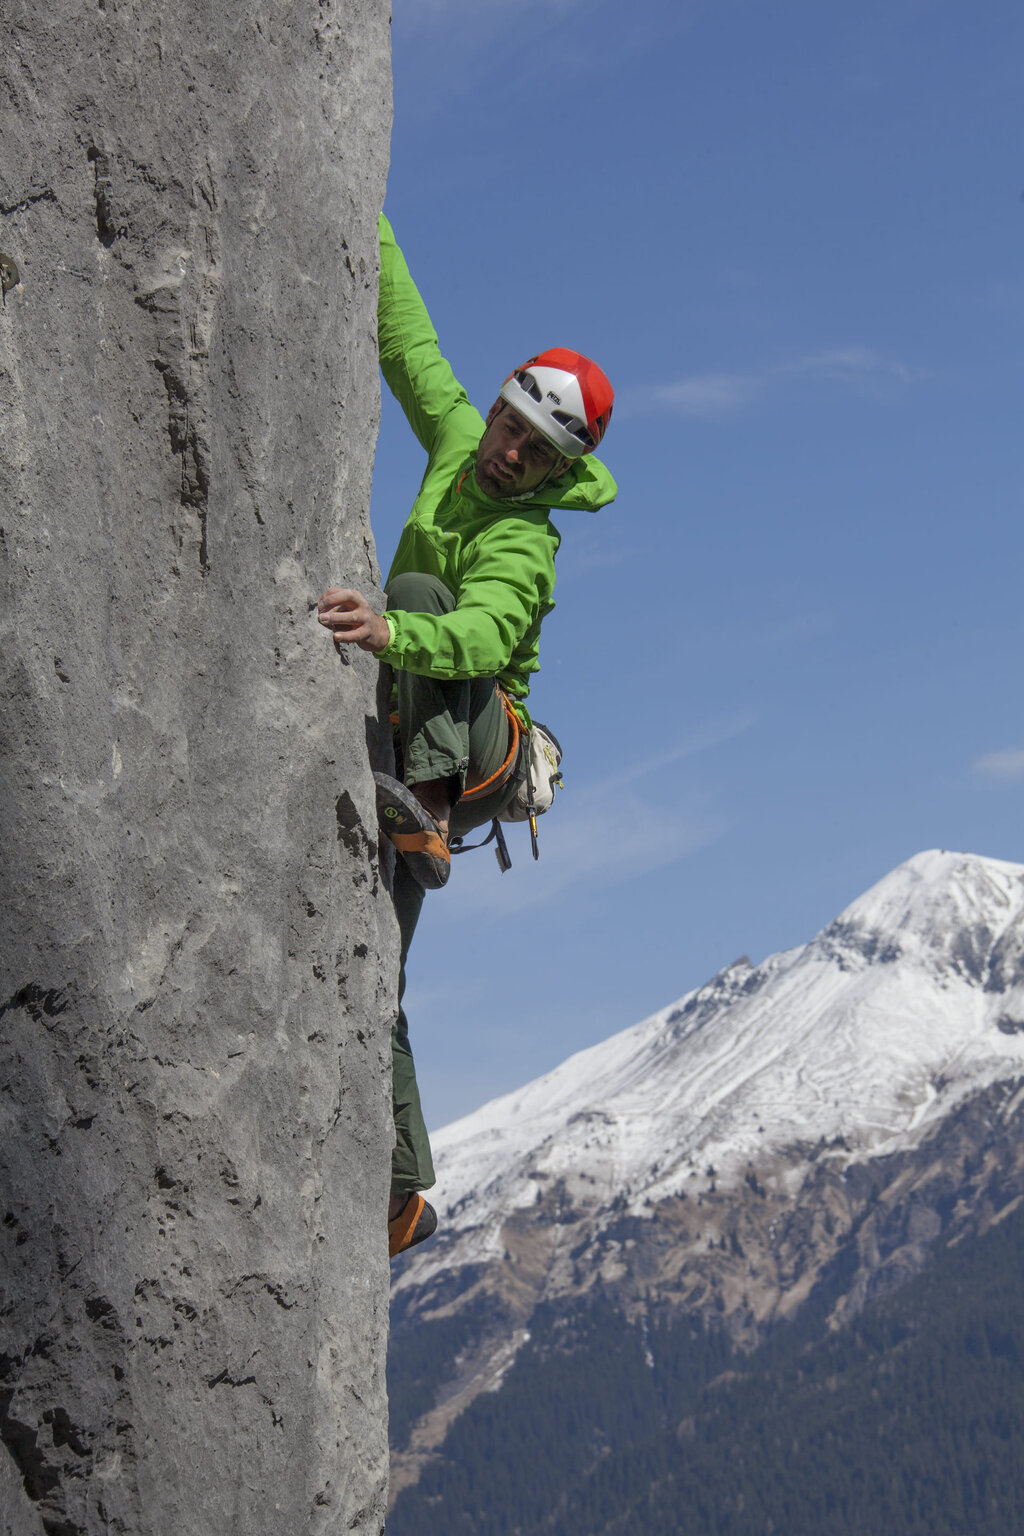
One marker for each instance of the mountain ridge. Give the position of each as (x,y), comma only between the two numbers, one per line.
(792,1139)
(907,1001)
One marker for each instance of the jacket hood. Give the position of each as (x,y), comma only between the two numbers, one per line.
(586,487)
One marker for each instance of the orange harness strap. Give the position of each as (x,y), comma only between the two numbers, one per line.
(502,774)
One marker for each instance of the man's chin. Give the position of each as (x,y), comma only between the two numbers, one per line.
(491,485)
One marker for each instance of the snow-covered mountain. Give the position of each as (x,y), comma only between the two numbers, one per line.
(911,1000)
(819,1125)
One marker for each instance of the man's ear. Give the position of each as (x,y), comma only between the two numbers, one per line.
(495,408)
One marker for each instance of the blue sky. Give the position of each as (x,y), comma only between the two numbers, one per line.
(789,656)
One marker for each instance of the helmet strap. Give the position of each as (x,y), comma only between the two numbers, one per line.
(556,471)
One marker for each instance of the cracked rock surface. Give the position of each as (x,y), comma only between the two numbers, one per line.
(199,961)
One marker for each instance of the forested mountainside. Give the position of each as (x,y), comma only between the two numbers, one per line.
(909,1419)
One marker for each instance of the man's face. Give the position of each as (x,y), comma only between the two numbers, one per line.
(513,458)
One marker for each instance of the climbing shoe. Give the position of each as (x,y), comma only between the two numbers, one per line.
(413,831)
(415,1222)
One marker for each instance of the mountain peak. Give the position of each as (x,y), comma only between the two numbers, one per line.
(936,891)
(957,911)
(858,1042)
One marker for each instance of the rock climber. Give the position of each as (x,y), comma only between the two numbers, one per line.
(468,588)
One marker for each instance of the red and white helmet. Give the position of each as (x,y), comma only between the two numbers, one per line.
(564,395)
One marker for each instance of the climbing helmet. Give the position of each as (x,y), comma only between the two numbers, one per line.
(565,396)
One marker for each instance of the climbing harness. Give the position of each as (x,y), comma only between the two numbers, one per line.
(534,793)
(501,775)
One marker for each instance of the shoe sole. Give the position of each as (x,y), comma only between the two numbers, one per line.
(415,1222)
(413,832)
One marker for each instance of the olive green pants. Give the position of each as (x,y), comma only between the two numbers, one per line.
(446,730)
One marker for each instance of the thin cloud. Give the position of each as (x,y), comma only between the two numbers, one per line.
(619,839)
(849,365)
(714,735)
(1007,765)
(613,830)
(709,395)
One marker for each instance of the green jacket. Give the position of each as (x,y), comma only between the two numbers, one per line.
(496,557)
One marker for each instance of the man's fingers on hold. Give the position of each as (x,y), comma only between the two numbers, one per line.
(335,595)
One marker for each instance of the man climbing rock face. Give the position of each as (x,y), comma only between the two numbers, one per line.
(470,583)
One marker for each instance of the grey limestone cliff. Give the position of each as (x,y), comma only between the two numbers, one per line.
(199,953)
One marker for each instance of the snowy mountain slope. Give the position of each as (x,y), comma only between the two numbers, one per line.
(859,1042)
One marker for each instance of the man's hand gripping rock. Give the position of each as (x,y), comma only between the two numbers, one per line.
(351,620)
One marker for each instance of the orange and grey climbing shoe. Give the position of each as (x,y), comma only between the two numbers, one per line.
(413,831)
(415,1222)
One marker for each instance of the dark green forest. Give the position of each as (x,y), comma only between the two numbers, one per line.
(909,1422)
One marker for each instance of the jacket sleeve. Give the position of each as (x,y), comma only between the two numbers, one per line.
(504,592)
(420,379)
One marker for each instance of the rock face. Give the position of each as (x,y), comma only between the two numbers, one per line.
(199,960)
